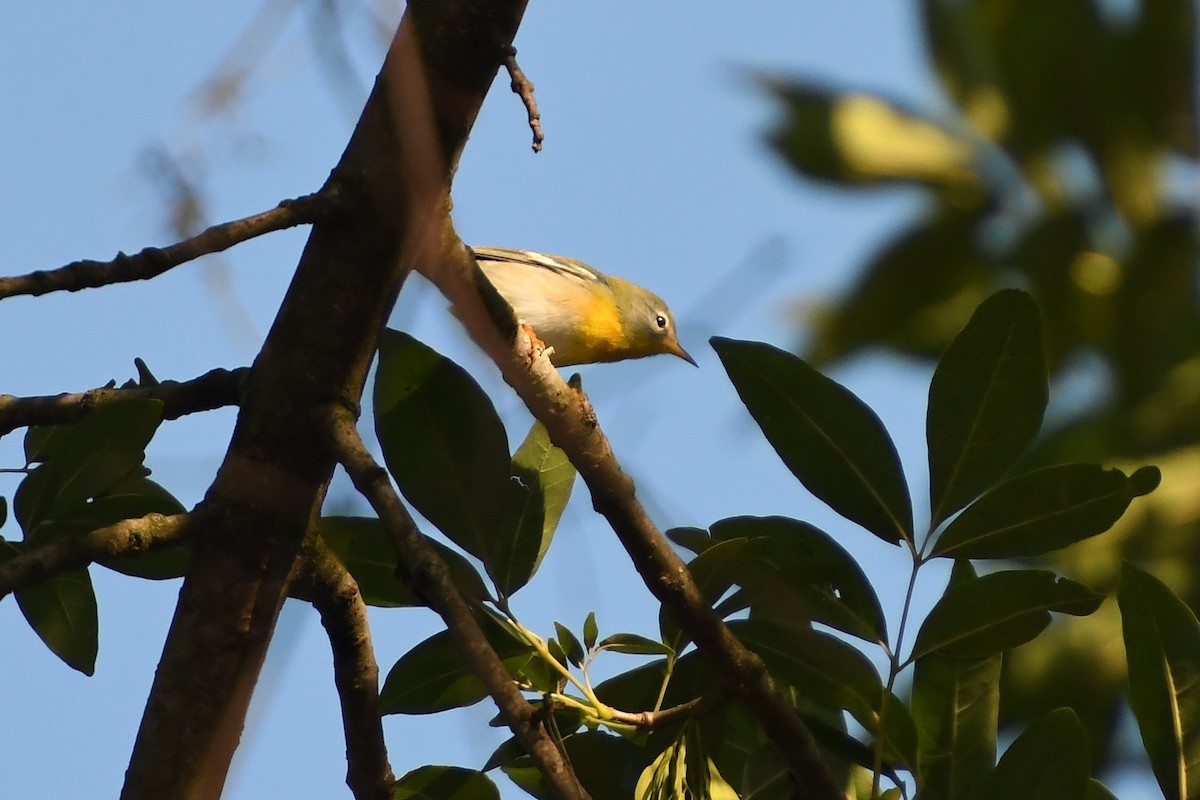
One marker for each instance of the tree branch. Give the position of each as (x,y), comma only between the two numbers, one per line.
(337,599)
(154,261)
(395,174)
(431,578)
(572,425)
(214,389)
(69,552)
(523,88)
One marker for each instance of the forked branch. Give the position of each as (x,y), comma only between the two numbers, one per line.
(431,579)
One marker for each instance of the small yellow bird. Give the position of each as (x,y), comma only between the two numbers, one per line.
(585,315)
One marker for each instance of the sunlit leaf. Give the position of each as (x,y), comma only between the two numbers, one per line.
(634,644)
(441,440)
(986,400)
(825,435)
(538,491)
(590,630)
(859,138)
(999,611)
(1044,510)
(1048,761)
(570,644)
(1162,649)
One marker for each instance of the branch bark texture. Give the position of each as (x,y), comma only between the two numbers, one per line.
(355,672)
(395,175)
(214,389)
(431,578)
(154,261)
(573,427)
(69,552)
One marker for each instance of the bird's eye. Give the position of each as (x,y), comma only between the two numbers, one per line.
(661,322)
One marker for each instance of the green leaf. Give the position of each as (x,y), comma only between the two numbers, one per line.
(801,570)
(433,676)
(822,669)
(634,644)
(571,646)
(689,678)
(607,766)
(62,611)
(956,706)
(1049,761)
(1098,791)
(538,491)
(830,440)
(34,496)
(998,612)
(3,511)
(837,742)
(590,630)
(1162,648)
(441,440)
(1043,510)
(88,457)
(445,783)
(363,546)
(986,400)
(788,569)
(695,539)
(101,449)
(40,441)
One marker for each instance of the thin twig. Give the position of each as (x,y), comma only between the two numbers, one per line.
(214,389)
(431,579)
(573,427)
(523,87)
(338,600)
(649,720)
(153,261)
(70,552)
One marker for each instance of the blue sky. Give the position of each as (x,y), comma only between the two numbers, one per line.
(653,169)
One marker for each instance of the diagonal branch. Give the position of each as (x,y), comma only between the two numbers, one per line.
(70,552)
(154,261)
(573,427)
(214,389)
(431,579)
(395,175)
(337,599)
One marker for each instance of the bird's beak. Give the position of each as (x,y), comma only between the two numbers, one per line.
(675,349)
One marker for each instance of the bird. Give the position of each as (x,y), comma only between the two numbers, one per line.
(584,315)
